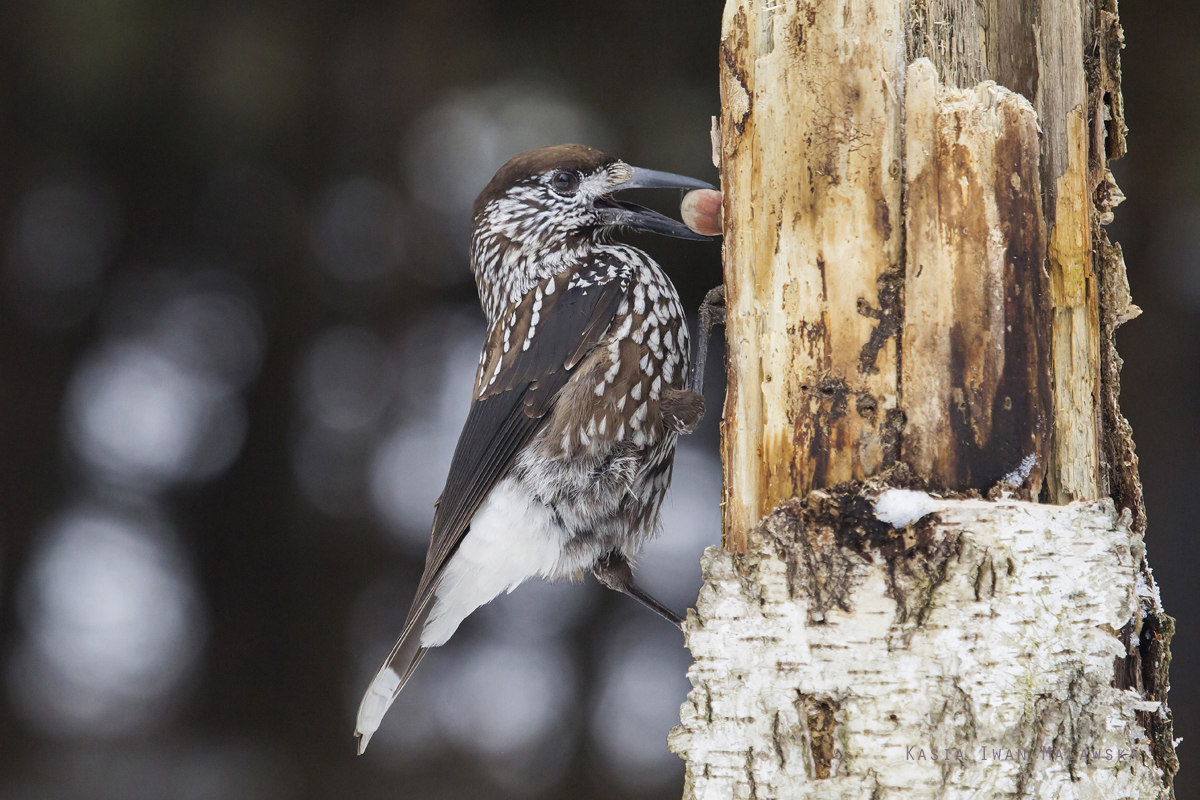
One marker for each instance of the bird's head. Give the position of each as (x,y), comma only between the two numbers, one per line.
(550,205)
(567,192)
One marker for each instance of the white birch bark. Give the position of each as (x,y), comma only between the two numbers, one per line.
(970,654)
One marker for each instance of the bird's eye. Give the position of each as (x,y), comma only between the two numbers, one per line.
(566,182)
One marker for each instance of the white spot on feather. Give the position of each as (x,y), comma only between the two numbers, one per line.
(623,331)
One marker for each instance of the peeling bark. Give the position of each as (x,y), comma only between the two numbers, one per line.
(1043,50)
(976,390)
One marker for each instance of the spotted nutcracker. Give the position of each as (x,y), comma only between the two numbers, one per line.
(581,392)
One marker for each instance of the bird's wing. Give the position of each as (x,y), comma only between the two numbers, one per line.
(529,355)
(528,358)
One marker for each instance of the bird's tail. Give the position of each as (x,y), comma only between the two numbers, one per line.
(391,677)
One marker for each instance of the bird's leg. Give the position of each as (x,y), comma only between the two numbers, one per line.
(636,592)
(613,571)
(712,312)
(682,409)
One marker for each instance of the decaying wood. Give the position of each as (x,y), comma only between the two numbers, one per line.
(1036,48)
(812,98)
(1106,115)
(968,655)
(976,328)
(810,129)
(921,294)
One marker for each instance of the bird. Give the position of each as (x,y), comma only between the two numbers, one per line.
(581,392)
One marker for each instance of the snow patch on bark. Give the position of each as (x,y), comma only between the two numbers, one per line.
(902,507)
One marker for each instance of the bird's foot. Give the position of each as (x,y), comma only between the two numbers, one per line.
(712,310)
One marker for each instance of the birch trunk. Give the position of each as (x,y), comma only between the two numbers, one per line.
(933,580)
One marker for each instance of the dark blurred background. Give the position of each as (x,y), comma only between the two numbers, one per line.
(237,336)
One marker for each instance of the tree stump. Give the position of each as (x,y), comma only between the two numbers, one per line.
(933,579)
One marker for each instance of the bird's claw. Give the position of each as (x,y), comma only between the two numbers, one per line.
(613,572)
(712,312)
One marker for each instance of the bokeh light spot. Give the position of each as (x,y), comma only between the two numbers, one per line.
(138,418)
(112,624)
(642,684)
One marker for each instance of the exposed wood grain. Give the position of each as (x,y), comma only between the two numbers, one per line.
(976,333)
(1037,48)
(805,110)
(812,178)
(1106,115)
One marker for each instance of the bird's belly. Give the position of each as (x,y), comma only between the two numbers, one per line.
(549,519)
(605,502)
(513,537)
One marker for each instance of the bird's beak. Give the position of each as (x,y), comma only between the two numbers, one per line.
(620,213)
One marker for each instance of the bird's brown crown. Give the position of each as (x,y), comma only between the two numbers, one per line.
(577,157)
